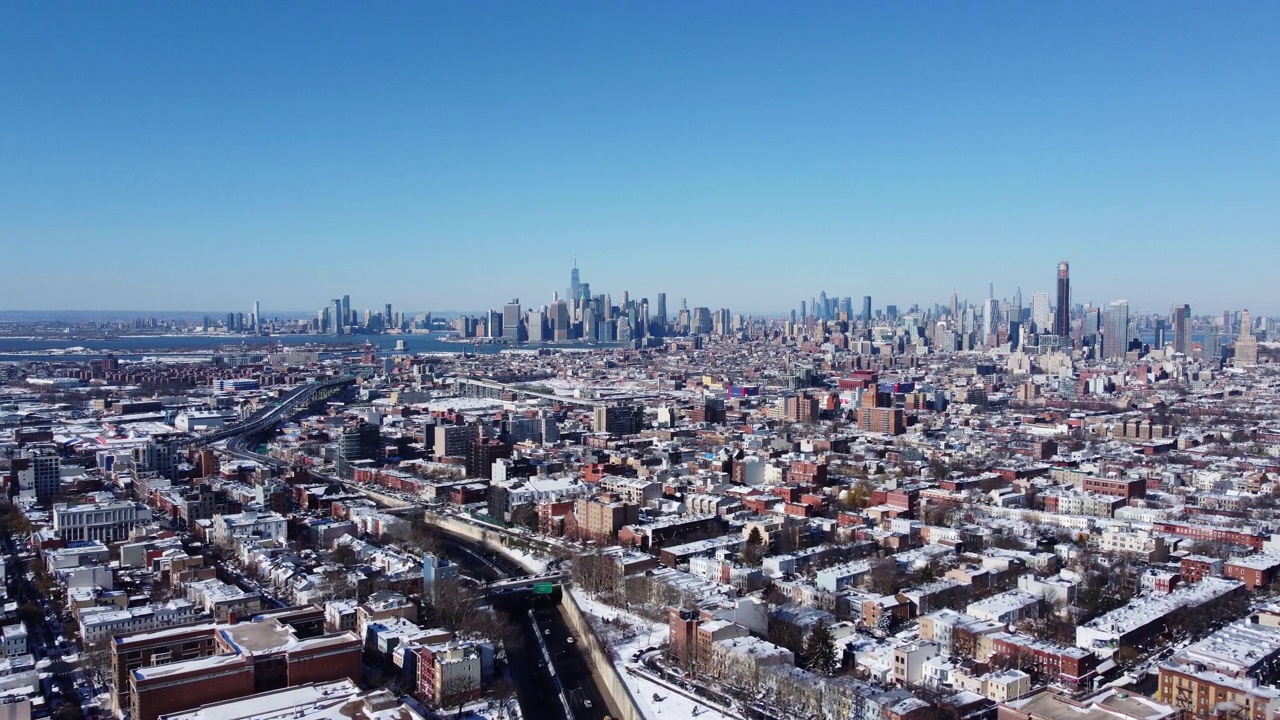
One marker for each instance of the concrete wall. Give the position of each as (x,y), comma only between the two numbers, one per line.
(612,680)
(492,538)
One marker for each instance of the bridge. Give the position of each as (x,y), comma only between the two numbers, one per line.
(266,418)
(528,581)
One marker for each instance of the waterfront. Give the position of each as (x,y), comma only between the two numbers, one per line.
(137,347)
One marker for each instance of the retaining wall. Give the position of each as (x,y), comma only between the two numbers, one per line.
(612,680)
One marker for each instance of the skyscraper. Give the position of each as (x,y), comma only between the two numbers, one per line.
(1062,313)
(660,316)
(346,311)
(1115,338)
(1212,343)
(1182,329)
(575,285)
(535,322)
(1246,343)
(866,309)
(339,316)
(989,320)
(1041,315)
(511,320)
(702,321)
(1092,326)
(559,321)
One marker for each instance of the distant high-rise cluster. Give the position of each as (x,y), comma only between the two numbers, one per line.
(584,316)
(1049,323)
(338,318)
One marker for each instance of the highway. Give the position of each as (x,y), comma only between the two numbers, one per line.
(564,690)
(265,418)
(536,685)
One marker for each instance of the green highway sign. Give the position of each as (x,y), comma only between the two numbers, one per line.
(543,588)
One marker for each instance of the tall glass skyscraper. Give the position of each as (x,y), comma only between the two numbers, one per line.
(1041,315)
(1115,338)
(1182,329)
(1062,313)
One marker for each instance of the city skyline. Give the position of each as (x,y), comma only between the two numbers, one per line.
(559,361)
(1053,316)
(445,156)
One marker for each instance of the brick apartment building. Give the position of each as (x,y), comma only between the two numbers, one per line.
(1126,488)
(174,670)
(600,518)
(1255,571)
(1070,666)
(1212,533)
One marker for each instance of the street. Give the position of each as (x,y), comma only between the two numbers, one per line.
(60,686)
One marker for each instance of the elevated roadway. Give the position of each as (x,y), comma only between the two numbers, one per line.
(267,417)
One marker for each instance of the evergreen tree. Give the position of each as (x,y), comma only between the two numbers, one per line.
(820,651)
(753,548)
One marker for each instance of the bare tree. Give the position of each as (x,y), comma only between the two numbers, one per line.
(594,573)
(503,693)
(338,584)
(451,603)
(458,691)
(525,516)
(885,577)
(95,659)
(345,555)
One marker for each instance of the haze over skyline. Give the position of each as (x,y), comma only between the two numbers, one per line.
(452,156)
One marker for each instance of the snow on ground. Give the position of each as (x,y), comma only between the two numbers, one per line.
(626,634)
(535,562)
(659,701)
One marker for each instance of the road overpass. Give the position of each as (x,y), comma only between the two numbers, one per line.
(267,417)
(478,387)
(527,581)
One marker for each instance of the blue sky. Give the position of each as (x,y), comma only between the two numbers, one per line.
(451,155)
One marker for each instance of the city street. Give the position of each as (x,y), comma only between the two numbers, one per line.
(61,685)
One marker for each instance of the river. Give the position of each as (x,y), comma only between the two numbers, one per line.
(137,347)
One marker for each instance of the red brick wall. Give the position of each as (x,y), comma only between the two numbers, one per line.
(162,696)
(326,666)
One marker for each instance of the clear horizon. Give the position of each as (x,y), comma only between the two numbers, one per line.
(738,156)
